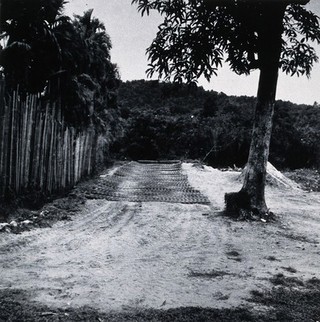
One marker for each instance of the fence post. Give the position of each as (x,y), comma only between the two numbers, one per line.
(37,149)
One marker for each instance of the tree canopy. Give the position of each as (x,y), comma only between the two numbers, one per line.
(31,51)
(46,51)
(196,37)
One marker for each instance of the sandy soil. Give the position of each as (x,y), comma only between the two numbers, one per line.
(125,249)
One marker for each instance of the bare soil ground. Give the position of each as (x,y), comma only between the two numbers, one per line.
(149,242)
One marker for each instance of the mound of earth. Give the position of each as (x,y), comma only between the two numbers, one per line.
(274,178)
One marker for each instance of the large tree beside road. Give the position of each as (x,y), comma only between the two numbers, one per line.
(196,37)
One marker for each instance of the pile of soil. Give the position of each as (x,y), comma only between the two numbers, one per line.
(275,178)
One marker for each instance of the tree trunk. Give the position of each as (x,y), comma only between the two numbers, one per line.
(250,200)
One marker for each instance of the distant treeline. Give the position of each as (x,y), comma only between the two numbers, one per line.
(163,120)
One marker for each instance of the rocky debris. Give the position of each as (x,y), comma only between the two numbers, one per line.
(15,226)
(4,226)
(21,220)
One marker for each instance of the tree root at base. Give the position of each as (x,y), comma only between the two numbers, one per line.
(238,206)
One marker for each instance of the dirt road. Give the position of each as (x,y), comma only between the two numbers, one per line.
(124,249)
(146,238)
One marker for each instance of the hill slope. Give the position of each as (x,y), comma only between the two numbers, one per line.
(164,120)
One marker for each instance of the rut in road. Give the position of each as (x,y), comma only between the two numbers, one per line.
(147,181)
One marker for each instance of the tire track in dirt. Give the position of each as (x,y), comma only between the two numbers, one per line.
(127,250)
(121,250)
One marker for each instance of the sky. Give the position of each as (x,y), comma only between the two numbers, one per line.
(131,34)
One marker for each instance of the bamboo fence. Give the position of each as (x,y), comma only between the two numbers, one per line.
(38,151)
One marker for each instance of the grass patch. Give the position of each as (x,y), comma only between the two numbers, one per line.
(15,307)
(288,303)
(284,303)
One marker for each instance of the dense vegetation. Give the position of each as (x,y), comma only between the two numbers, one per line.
(164,120)
(66,60)
(69,60)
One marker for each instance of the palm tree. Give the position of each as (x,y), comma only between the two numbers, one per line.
(96,77)
(70,58)
(32,52)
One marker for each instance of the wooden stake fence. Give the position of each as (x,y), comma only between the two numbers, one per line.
(38,152)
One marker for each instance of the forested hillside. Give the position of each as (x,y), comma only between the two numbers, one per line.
(164,120)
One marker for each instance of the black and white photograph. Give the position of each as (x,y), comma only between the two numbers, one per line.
(160,160)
